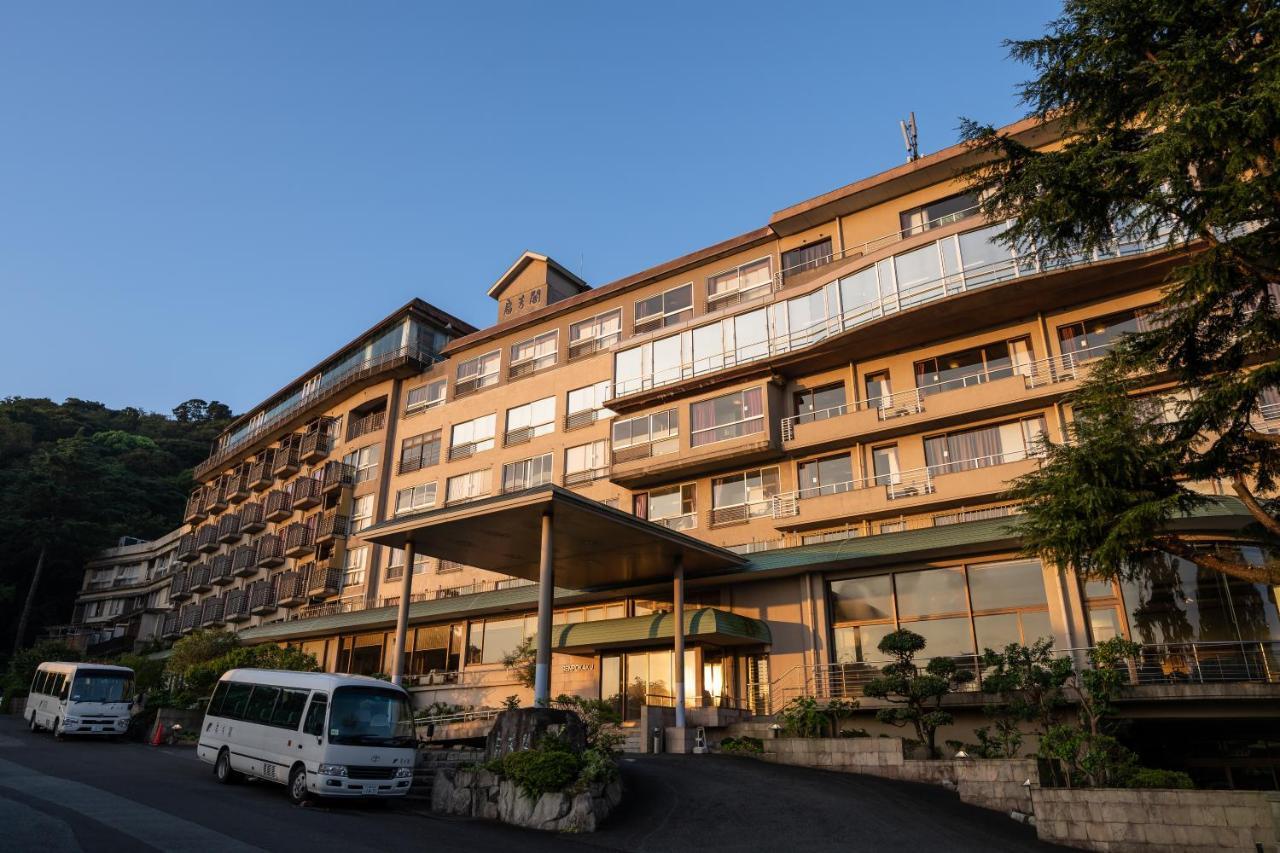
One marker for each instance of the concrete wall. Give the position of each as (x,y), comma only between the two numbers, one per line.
(1158,820)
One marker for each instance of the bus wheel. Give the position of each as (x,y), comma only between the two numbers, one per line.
(32,722)
(57,729)
(298,785)
(222,768)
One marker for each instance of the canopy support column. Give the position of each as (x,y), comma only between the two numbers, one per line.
(546,598)
(402,616)
(677,634)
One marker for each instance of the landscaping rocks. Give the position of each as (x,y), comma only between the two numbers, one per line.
(482,794)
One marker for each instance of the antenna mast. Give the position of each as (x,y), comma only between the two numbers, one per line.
(909,137)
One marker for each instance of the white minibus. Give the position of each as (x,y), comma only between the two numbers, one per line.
(318,733)
(80,699)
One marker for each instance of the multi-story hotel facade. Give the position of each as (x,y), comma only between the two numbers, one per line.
(833,404)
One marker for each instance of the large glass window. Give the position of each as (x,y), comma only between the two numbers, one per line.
(665,309)
(804,258)
(935,214)
(742,282)
(490,640)
(537,353)
(740,497)
(815,404)
(658,432)
(414,498)
(425,396)
(973,366)
(437,648)
(471,437)
(673,506)
(531,420)
(365,462)
(419,451)
(479,372)
(984,446)
(594,334)
(586,405)
(586,462)
(826,476)
(526,473)
(731,416)
(469,486)
(1094,338)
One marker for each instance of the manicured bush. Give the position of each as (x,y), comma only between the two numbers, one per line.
(1150,777)
(745,745)
(549,767)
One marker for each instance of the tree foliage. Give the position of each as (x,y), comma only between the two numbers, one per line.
(1170,113)
(74,478)
(202,657)
(1026,683)
(916,692)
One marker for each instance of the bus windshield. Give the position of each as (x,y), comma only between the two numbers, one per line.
(101,685)
(371,716)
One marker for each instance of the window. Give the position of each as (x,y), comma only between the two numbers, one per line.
(731,416)
(417,497)
(395,563)
(879,390)
(742,282)
(586,462)
(884,464)
(262,701)
(364,461)
(646,435)
(527,473)
(537,353)
(236,701)
(805,258)
(974,366)
(436,648)
(740,497)
(354,565)
(816,404)
(419,451)
(288,710)
(935,214)
(477,373)
(1094,338)
(472,437)
(673,506)
(826,476)
(316,712)
(531,420)
(984,446)
(361,513)
(665,309)
(490,640)
(470,486)
(425,397)
(594,334)
(586,405)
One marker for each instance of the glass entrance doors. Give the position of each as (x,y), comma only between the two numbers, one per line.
(631,680)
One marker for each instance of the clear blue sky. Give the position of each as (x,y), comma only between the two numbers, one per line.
(181,184)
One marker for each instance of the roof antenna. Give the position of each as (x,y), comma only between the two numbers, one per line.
(909,137)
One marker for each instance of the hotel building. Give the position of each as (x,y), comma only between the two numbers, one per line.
(819,416)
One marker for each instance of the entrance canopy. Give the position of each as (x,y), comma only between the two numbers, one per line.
(707,625)
(595,546)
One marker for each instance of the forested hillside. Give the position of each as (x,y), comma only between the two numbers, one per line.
(74,478)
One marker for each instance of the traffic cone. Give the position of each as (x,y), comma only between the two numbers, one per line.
(158,737)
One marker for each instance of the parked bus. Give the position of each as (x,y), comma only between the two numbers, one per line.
(80,699)
(318,733)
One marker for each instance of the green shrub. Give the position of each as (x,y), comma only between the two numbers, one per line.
(598,766)
(22,666)
(549,767)
(804,716)
(1150,777)
(744,745)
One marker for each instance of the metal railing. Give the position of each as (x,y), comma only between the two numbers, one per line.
(371,422)
(901,298)
(647,450)
(332,385)
(459,717)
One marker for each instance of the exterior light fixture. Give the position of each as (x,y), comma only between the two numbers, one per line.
(774,729)
(962,754)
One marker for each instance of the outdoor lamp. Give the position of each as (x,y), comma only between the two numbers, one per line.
(774,729)
(962,754)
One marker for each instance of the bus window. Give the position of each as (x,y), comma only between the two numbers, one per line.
(215,703)
(289,709)
(261,704)
(236,699)
(102,685)
(315,715)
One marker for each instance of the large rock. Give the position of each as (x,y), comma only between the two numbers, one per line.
(524,728)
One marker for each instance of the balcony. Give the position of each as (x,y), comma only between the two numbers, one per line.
(371,422)
(235,605)
(305,492)
(253,519)
(332,527)
(727,516)
(288,458)
(642,465)
(262,597)
(237,488)
(317,444)
(324,581)
(582,478)
(244,560)
(299,540)
(278,505)
(198,578)
(178,586)
(215,496)
(229,530)
(189,617)
(220,569)
(195,512)
(590,346)
(585,418)
(262,470)
(952,484)
(292,589)
(336,475)
(270,551)
(207,538)
(170,626)
(187,551)
(211,611)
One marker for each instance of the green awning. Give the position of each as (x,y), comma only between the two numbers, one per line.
(705,625)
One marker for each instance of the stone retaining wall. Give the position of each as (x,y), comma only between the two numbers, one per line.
(479,793)
(1151,820)
(997,783)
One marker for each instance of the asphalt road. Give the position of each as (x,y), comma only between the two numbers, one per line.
(101,797)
